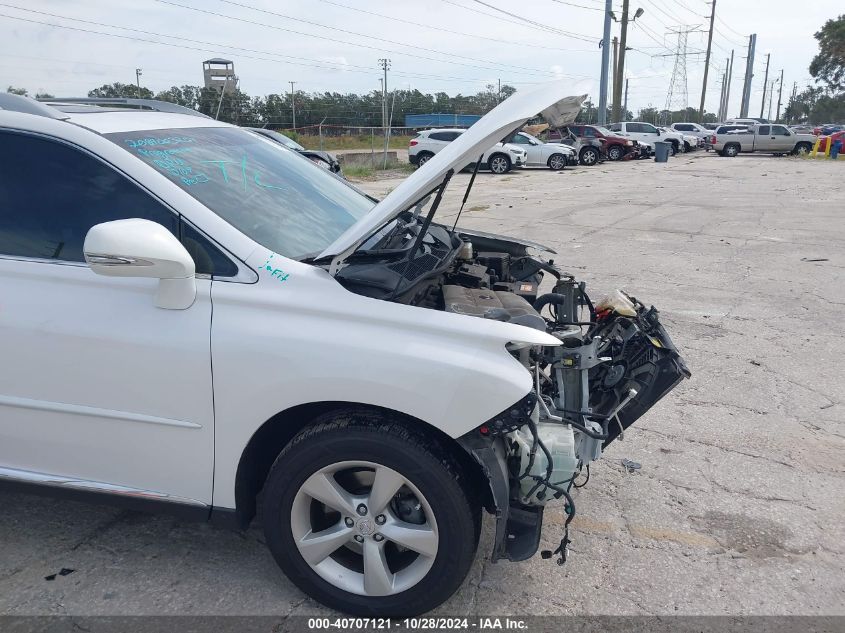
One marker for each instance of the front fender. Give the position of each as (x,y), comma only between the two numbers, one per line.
(279,344)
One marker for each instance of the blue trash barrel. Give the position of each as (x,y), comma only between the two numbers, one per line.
(661,151)
(835,149)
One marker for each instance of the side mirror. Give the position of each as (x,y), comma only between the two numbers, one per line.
(140,248)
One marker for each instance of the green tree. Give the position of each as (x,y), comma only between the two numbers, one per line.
(17,91)
(121,90)
(828,66)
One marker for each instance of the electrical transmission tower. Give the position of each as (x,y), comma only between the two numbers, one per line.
(678,96)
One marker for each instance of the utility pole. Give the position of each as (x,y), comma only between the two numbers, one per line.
(707,62)
(138,74)
(765,83)
(385,65)
(780,95)
(625,107)
(499,93)
(728,89)
(721,113)
(771,97)
(620,70)
(749,75)
(292,103)
(605,54)
(617,80)
(615,46)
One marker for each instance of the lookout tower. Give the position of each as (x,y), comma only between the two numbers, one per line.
(220,74)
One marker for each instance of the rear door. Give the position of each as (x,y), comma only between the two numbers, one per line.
(439,140)
(763,140)
(99,388)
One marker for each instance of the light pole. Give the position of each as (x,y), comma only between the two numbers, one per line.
(620,71)
(293,103)
(138,74)
(605,61)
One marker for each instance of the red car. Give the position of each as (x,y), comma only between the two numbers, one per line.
(615,146)
(836,136)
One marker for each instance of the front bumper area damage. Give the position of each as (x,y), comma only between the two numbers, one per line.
(615,362)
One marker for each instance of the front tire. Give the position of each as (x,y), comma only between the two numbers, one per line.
(615,152)
(557,162)
(370,516)
(499,164)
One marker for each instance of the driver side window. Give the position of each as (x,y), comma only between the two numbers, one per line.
(52,193)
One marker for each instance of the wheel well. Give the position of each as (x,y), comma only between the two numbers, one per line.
(494,154)
(277,432)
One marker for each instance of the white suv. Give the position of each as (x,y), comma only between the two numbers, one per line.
(197,320)
(648,133)
(499,159)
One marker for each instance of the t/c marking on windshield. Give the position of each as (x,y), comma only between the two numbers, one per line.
(275,273)
(244,178)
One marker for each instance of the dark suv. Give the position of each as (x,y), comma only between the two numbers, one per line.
(615,146)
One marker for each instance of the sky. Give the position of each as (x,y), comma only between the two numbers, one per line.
(455,46)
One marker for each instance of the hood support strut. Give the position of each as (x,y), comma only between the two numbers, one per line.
(466,193)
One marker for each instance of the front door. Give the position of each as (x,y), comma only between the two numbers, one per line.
(98,387)
(782,139)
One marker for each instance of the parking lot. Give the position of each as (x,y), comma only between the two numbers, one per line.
(738,505)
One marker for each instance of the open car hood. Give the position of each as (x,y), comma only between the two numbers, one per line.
(562,98)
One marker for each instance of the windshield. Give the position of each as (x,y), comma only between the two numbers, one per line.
(281,138)
(604,131)
(269,193)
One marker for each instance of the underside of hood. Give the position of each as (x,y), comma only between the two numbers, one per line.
(564,97)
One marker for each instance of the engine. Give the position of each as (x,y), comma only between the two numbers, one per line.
(614,363)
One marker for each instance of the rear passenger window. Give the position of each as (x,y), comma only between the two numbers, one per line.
(444,136)
(52,193)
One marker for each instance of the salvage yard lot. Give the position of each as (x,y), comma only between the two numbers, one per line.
(739,502)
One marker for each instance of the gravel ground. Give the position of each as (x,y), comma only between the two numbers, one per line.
(739,505)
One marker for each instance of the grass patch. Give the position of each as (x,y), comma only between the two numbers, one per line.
(367,171)
(364,141)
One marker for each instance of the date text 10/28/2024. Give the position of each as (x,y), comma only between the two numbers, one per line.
(418,624)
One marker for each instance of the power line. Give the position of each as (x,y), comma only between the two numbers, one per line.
(319,64)
(523,22)
(579,6)
(461,33)
(730,28)
(335,40)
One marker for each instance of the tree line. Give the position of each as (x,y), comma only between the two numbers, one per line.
(825,102)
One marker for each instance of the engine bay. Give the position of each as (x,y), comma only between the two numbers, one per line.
(614,363)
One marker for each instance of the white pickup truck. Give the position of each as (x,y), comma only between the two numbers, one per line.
(774,139)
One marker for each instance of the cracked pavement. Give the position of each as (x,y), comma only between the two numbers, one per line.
(739,507)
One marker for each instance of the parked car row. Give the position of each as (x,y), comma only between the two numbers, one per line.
(570,145)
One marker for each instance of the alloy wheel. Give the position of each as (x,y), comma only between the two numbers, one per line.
(364,528)
(557,162)
(499,165)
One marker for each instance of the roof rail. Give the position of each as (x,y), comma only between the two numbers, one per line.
(148,104)
(27,105)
